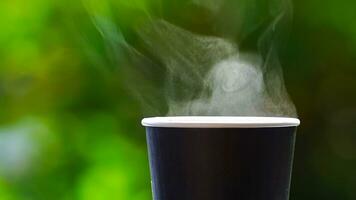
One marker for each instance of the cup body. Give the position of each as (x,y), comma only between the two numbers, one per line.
(199,163)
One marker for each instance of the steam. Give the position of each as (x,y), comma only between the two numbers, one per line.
(212,5)
(203,75)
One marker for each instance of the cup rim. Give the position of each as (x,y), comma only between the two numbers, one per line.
(219,122)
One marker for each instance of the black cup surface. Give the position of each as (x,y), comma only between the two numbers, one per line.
(221,163)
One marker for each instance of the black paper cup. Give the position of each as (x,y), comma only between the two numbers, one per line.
(220,158)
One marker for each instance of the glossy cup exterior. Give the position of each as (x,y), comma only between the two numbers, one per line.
(221,163)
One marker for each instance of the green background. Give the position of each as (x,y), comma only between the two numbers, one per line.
(70,128)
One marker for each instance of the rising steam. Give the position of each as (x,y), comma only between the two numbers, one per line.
(201,75)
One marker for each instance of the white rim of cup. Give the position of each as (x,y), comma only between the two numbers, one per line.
(219,122)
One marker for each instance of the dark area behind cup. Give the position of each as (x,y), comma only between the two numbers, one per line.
(221,163)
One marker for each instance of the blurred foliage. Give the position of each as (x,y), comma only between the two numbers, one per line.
(69,128)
